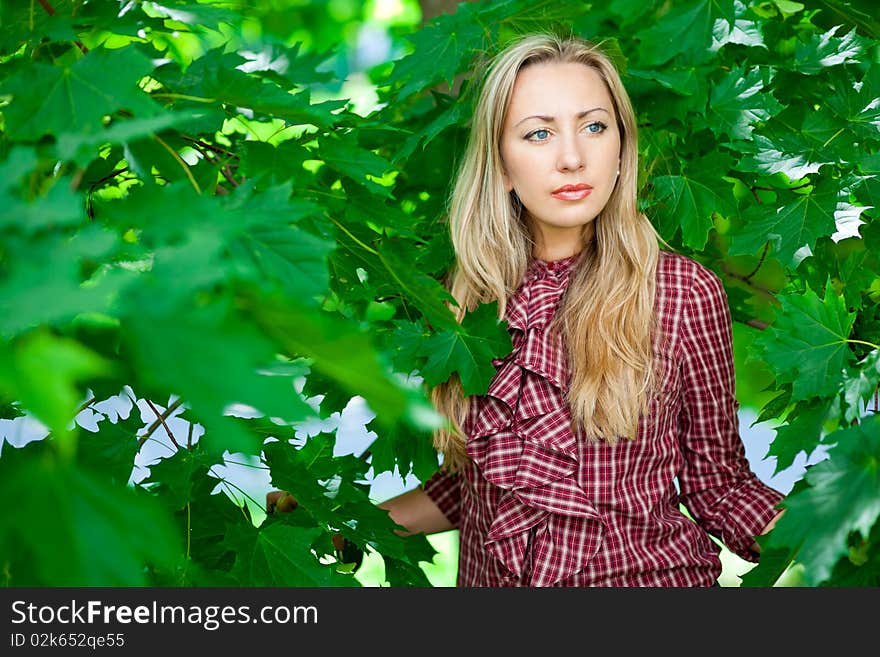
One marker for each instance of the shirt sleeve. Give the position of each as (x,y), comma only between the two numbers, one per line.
(716,483)
(444,490)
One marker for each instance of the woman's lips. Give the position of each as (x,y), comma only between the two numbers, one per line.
(572,194)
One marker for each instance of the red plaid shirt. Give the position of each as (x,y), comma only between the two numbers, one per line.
(540,506)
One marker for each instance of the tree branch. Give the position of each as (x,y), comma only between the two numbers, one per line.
(160,420)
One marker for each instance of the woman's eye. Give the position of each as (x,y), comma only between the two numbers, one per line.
(596,127)
(541,134)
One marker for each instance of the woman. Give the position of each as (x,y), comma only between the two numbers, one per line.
(617,402)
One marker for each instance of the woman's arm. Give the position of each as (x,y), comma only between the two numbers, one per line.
(416,511)
(757,548)
(717,484)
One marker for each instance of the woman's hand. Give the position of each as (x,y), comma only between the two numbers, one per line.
(756,548)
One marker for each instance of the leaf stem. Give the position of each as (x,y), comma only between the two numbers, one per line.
(196,99)
(347,232)
(180,161)
(832,137)
(244,493)
(868,344)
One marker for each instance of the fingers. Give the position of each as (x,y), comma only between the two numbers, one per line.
(280,501)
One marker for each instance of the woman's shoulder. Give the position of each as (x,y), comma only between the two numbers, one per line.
(676,271)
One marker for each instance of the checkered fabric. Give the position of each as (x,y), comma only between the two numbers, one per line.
(539,505)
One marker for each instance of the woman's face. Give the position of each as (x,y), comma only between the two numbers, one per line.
(560,131)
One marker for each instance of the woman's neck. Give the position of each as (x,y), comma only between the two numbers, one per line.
(563,243)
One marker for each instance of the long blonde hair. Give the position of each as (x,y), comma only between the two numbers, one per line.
(606,315)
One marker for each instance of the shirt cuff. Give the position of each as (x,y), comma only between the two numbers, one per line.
(444,490)
(748,511)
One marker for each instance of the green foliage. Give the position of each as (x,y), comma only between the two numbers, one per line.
(188,208)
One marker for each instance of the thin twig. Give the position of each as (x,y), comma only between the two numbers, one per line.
(162,420)
(159,421)
(210,147)
(748,277)
(229,177)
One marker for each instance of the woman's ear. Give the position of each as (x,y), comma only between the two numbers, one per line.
(508,186)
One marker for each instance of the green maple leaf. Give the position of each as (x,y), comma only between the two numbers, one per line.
(335,348)
(274,245)
(325,486)
(842,497)
(280,555)
(58,207)
(451,114)
(687,28)
(207,519)
(112,449)
(293,257)
(743,32)
(428,295)
(443,47)
(690,200)
(867,189)
(343,154)
(107,533)
(400,573)
(21,23)
(362,206)
(408,452)
(406,343)
(798,143)
(183,352)
(791,226)
(155,212)
(172,479)
(334,397)
(76,97)
(198,15)
(855,102)
(42,371)
(824,50)
(776,407)
(859,385)
(682,81)
(265,163)
(468,351)
(81,147)
(802,432)
(296,68)
(807,344)
(215,78)
(739,100)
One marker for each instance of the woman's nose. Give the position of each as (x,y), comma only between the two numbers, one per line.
(569,157)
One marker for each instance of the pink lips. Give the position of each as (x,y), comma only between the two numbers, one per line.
(572,192)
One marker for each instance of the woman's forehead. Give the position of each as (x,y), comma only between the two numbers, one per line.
(557,91)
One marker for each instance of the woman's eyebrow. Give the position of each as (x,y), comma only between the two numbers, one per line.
(550,119)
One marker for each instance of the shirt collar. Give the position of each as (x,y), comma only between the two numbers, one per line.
(558,268)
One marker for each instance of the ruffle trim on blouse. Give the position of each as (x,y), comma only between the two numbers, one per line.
(519,435)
